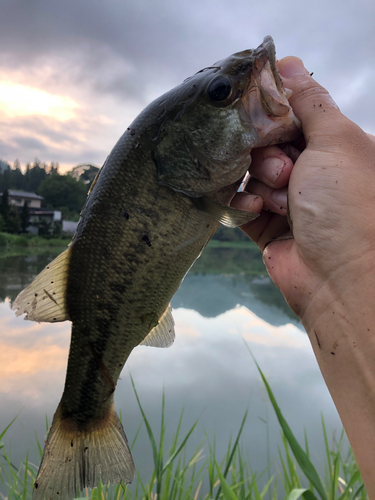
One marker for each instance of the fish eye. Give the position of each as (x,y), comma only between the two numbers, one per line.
(219,89)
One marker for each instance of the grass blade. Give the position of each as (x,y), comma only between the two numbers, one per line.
(174,455)
(230,459)
(300,455)
(148,426)
(296,493)
(6,428)
(228,493)
(356,477)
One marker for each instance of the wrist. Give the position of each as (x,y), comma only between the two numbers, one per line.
(342,332)
(337,314)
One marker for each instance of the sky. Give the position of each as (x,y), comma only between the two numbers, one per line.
(74,74)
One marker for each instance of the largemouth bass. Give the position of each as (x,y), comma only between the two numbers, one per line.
(152,209)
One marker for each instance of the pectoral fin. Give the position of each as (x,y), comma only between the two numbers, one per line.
(163,334)
(44,298)
(228,216)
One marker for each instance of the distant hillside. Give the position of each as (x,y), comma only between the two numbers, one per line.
(4,166)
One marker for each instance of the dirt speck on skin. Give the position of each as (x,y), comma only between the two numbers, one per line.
(317,339)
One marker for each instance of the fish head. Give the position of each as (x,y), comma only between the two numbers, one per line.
(215,118)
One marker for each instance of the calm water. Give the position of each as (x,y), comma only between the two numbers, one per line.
(208,371)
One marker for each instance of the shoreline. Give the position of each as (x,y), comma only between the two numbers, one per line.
(19,241)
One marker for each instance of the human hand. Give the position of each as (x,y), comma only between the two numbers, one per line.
(326,271)
(330,192)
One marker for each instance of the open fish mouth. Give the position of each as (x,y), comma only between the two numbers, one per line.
(266,101)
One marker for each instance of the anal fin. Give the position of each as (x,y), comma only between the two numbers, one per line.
(162,335)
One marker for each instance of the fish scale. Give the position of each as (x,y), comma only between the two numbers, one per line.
(150,212)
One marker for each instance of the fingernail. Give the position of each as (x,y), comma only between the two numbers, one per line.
(247,201)
(280,198)
(274,167)
(291,66)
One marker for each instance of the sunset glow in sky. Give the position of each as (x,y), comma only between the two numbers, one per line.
(73,75)
(20,100)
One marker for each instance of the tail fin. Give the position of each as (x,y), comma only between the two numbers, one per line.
(73,460)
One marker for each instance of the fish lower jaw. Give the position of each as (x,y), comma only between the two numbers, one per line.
(273,130)
(268,109)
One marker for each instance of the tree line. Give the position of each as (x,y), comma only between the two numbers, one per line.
(60,192)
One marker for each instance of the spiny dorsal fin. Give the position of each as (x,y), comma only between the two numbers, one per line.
(44,298)
(163,334)
(228,216)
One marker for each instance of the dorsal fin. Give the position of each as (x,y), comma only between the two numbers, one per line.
(44,298)
(228,216)
(163,334)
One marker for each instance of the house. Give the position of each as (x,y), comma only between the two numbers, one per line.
(18,198)
(69,227)
(38,215)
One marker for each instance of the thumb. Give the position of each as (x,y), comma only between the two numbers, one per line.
(311,102)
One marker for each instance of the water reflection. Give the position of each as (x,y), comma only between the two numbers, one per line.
(234,276)
(17,270)
(208,370)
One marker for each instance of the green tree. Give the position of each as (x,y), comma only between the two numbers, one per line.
(5,206)
(5,180)
(25,217)
(61,191)
(16,179)
(14,221)
(44,228)
(2,226)
(35,175)
(57,230)
(53,168)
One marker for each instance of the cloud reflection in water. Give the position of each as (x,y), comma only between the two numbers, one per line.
(208,371)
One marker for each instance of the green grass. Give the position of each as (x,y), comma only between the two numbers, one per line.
(30,241)
(239,244)
(8,240)
(179,476)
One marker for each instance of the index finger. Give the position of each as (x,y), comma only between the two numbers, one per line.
(311,102)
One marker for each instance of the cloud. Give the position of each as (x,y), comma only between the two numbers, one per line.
(21,100)
(112,58)
(32,352)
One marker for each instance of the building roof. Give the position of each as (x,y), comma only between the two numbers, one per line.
(24,194)
(42,211)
